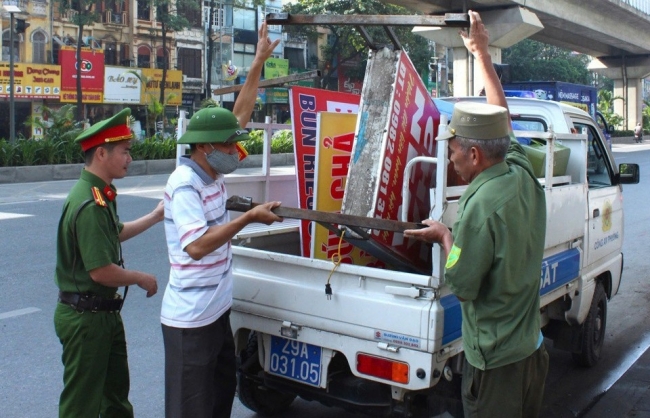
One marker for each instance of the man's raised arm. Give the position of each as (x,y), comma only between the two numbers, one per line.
(246,100)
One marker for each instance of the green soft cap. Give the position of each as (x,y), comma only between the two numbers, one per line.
(211,125)
(477,121)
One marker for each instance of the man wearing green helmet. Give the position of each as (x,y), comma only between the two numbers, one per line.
(200,363)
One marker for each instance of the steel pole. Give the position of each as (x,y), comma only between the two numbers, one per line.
(12,110)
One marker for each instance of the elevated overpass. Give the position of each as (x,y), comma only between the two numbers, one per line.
(614,32)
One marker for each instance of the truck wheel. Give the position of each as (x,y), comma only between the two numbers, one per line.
(593,330)
(250,385)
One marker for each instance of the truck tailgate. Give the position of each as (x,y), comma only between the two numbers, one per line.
(270,284)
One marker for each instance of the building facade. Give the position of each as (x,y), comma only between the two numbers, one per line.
(124,56)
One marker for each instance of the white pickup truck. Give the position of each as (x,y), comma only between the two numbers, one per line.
(388,343)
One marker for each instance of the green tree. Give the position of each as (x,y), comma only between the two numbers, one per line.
(606,107)
(82,13)
(535,61)
(345,44)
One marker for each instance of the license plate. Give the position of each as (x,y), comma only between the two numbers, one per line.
(296,360)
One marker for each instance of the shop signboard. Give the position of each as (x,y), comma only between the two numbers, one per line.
(276,67)
(120,86)
(173,86)
(276,95)
(31,81)
(92,74)
(335,139)
(305,104)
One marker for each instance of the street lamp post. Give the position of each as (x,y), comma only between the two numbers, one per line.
(12,108)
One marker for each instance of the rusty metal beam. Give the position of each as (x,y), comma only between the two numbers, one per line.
(271,82)
(327,219)
(448,20)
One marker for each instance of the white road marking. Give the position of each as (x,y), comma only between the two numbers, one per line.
(8,215)
(18,312)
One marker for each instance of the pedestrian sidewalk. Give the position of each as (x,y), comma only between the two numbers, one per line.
(629,396)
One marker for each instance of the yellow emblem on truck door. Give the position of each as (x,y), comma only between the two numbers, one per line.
(607,216)
(453,257)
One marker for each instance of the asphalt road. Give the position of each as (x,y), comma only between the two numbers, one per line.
(30,366)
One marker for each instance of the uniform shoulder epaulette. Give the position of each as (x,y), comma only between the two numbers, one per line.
(99,198)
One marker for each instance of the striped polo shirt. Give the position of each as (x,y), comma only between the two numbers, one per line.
(199,291)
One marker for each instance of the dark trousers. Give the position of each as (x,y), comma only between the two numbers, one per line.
(200,370)
(514,391)
(95,366)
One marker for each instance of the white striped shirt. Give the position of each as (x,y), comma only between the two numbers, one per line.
(199,291)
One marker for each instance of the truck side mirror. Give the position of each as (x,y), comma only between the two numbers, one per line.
(628,173)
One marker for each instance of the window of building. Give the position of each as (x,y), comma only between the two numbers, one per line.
(110,54)
(243,54)
(296,57)
(244,19)
(144,10)
(191,10)
(161,61)
(39,40)
(218,16)
(274,28)
(5,47)
(144,57)
(189,62)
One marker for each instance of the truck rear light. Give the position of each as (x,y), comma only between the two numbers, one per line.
(383,368)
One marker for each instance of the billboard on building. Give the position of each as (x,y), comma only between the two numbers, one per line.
(31,81)
(92,74)
(276,67)
(173,86)
(121,86)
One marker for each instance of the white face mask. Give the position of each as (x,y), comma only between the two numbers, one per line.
(221,162)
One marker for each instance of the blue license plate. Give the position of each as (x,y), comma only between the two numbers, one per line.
(296,360)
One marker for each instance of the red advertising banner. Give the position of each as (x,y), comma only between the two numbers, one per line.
(305,103)
(92,74)
(348,84)
(396,123)
(411,122)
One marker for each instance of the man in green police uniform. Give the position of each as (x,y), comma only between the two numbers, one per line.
(89,270)
(495,252)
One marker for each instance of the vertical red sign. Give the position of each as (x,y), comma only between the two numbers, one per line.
(92,69)
(305,103)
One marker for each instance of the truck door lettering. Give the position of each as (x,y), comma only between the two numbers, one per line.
(549,274)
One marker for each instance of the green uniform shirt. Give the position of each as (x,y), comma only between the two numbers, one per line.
(495,262)
(97,238)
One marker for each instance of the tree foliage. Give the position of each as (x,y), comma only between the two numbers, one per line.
(535,61)
(606,107)
(345,44)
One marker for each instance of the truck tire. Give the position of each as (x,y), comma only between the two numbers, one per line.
(593,330)
(251,390)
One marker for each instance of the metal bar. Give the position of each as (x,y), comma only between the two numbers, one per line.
(366,37)
(448,20)
(243,204)
(271,82)
(393,37)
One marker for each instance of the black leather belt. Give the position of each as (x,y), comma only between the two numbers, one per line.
(92,303)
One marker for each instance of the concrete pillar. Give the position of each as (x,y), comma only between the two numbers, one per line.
(468,80)
(631,107)
(628,74)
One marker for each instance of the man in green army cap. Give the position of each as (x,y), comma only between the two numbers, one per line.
(89,269)
(200,363)
(495,251)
